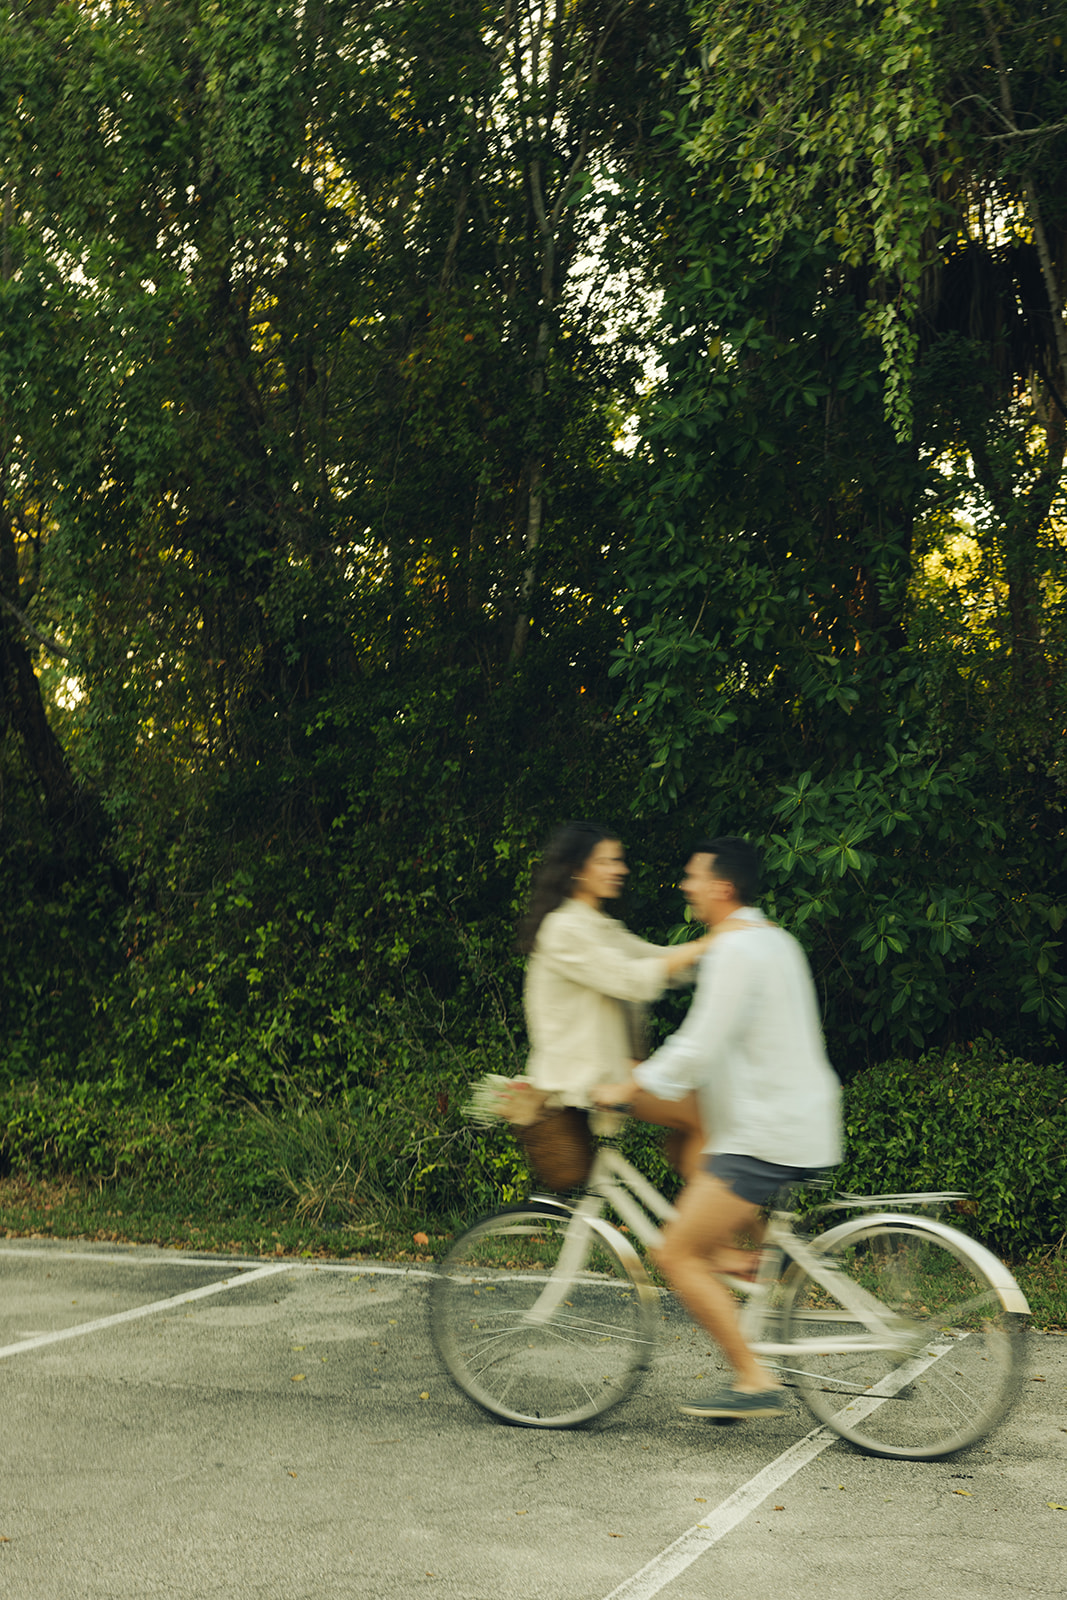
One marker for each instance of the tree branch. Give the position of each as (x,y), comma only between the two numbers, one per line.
(27,627)
(1048,270)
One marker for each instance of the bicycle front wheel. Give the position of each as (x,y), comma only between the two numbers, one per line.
(945,1363)
(543,1317)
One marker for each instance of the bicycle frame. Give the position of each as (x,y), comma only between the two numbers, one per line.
(901,1334)
(614,1181)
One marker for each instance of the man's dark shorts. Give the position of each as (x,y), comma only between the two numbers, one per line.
(753,1180)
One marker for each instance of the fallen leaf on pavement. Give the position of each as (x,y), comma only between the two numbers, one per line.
(425,1395)
(298,1377)
(967,1492)
(1054,1507)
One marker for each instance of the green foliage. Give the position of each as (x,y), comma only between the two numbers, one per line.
(793,676)
(58,955)
(970,1119)
(51,1129)
(923,912)
(868,124)
(374,1153)
(359,1157)
(317,328)
(973,1120)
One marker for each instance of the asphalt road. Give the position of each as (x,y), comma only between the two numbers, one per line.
(249,1429)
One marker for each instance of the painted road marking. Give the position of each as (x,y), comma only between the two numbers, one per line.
(235,1263)
(686,1549)
(132,1315)
(665,1567)
(657,1573)
(238,1277)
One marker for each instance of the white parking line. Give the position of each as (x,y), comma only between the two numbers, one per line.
(132,1315)
(662,1569)
(238,1277)
(180,1258)
(685,1550)
(177,1258)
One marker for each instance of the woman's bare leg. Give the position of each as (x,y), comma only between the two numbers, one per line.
(682,1118)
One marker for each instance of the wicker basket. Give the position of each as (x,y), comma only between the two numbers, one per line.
(560,1147)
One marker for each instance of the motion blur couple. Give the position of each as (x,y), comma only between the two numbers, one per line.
(744,1083)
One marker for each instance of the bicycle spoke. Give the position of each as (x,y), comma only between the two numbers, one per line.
(546,1347)
(961,1370)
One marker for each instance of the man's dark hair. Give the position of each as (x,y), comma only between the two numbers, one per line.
(737,862)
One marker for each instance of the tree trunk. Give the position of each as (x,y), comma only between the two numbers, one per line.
(69,810)
(71,813)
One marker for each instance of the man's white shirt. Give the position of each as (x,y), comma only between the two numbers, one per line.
(752,1047)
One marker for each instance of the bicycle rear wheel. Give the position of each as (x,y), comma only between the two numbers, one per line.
(952,1361)
(543,1317)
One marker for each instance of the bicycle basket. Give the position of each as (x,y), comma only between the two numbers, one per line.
(560,1147)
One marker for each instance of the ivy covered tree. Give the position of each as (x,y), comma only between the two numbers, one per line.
(863,321)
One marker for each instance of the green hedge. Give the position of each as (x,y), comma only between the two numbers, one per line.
(969,1119)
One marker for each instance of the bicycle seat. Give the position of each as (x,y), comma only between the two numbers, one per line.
(785,1198)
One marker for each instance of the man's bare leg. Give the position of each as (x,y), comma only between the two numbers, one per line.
(686,1140)
(699,1242)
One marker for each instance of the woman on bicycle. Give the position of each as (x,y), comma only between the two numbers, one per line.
(588,980)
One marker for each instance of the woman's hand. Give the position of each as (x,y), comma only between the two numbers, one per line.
(680,957)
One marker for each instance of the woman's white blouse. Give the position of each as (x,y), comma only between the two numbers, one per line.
(584,968)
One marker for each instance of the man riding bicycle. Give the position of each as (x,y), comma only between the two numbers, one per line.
(752,1047)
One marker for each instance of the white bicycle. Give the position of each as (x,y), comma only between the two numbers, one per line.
(902,1334)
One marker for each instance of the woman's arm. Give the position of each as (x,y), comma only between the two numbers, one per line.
(586,953)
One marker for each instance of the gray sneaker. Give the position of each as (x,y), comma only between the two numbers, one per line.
(737,1404)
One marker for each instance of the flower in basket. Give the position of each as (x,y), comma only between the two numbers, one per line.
(498,1099)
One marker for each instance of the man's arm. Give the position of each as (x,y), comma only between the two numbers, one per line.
(692,1054)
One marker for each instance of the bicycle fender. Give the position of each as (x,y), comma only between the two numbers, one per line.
(1011,1296)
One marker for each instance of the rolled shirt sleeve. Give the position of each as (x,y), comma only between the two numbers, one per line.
(609,959)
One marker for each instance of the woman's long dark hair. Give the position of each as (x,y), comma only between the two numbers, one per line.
(566,853)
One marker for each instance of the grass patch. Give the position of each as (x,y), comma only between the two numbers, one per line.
(129,1214)
(1044,1283)
(132,1214)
